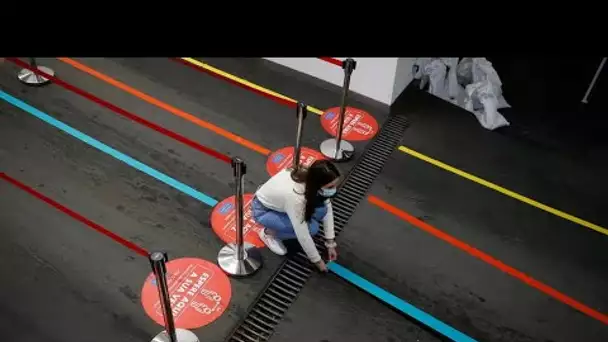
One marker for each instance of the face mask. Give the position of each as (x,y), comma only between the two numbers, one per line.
(327,192)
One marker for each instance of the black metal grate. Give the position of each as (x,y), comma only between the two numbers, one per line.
(284,287)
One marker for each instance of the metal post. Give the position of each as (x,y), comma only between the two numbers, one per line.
(301,114)
(29,77)
(595,77)
(337,149)
(239,258)
(170,334)
(239,170)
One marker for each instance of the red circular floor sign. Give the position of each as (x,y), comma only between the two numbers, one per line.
(283,158)
(358,124)
(199,292)
(223,221)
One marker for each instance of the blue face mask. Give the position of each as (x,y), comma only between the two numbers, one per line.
(327,192)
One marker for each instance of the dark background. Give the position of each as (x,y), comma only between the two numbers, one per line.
(545,94)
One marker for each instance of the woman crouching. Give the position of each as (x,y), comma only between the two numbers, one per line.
(293,203)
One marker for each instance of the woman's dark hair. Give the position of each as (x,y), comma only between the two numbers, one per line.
(320,173)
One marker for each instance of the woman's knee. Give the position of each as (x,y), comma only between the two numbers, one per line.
(275,221)
(259,211)
(258,216)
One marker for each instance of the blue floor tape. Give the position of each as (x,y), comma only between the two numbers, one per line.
(109,150)
(399,304)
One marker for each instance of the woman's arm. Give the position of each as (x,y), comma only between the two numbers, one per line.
(300,227)
(330,235)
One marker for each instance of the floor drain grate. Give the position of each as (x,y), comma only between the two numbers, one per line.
(284,287)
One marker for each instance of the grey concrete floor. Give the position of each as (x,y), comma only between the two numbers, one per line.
(65,282)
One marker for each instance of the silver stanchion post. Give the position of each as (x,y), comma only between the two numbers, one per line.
(301,114)
(337,149)
(29,77)
(170,334)
(240,258)
(595,77)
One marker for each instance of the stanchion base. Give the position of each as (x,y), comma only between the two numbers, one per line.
(182,335)
(346,152)
(228,261)
(29,77)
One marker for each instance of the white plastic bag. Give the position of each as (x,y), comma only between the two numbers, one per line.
(464,72)
(471,83)
(418,71)
(440,72)
(484,93)
(452,81)
(482,101)
(482,69)
(418,67)
(436,70)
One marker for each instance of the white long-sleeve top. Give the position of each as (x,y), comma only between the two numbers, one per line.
(281,193)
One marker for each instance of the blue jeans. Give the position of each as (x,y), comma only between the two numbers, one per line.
(279,222)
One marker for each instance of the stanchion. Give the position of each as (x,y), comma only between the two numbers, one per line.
(294,156)
(337,149)
(170,334)
(29,77)
(240,258)
(301,114)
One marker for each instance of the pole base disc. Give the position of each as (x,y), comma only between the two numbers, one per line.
(228,260)
(30,78)
(182,335)
(346,151)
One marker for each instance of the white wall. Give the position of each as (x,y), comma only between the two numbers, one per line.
(373,77)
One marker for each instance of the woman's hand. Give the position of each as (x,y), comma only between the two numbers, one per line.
(321,266)
(332,254)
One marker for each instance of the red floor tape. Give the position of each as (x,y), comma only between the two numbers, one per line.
(200,293)
(130,245)
(223,221)
(283,158)
(359,125)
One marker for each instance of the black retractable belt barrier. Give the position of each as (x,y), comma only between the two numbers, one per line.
(240,258)
(301,115)
(29,77)
(338,149)
(170,334)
